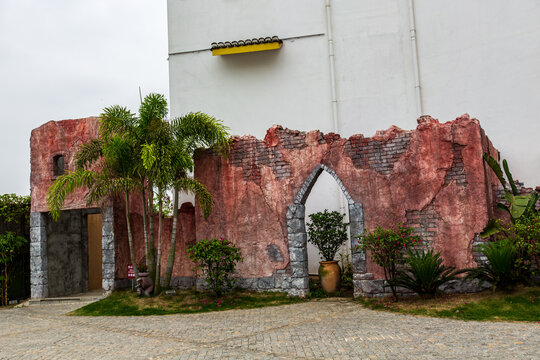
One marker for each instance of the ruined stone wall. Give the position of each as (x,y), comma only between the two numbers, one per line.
(52,139)
(432,178)
(182,276)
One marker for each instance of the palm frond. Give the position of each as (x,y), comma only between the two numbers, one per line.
(197,129)
(201,192)
(88,153)
(115,120)
(65,185)
(106,186)
(154,106)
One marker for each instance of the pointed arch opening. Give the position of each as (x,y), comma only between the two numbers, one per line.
(297,236)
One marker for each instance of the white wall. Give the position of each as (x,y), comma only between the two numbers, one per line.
(373,66)
(251,92)
(481,57)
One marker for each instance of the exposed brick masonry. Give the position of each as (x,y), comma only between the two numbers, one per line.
(251,154)
(378,155)
(424,222)
(457,171)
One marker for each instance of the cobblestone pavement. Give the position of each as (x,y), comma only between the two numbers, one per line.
(329,329)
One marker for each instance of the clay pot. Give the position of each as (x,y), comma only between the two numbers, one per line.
(329,274)
(143,274)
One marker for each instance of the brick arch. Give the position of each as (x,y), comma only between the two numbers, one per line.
(297,235)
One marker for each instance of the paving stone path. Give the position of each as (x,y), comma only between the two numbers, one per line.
(328,329)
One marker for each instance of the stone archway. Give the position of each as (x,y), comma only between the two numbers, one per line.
(297,236)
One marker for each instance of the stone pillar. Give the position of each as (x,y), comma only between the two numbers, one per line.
(107,248)
(356,217)
(296,228)
(39,283)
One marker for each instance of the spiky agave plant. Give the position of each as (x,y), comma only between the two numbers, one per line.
(499,270)
(425,273)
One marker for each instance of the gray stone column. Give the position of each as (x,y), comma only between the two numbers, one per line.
(39,283)
(356,217)
(107,248)
(299,285)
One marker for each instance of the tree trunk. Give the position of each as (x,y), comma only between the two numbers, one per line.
(145,230)
(151,242)
(130,237)
(172,250)
(157,286)
(5,297)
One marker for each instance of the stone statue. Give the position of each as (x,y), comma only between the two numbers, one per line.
(145,285)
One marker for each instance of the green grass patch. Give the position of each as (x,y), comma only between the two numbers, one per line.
(521,305)
(127,303)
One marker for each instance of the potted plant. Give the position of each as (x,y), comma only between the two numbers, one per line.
(328,232)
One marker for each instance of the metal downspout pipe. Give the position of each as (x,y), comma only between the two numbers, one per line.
(333,86)
(331,56)
(412,33)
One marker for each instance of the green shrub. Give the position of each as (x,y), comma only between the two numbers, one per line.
(386,248)
(500,268)
(216,258)
(346,271)
(525,234)
(425,273)
(327,232)
(10,246)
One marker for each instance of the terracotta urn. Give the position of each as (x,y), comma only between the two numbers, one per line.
(329,274)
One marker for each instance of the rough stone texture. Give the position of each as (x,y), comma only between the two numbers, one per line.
(107,248)
(185,236)
(52,139)
(274,254)
(39,284)
(325,329)
(67,253)
(432,178)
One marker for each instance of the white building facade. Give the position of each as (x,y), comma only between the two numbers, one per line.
(357,66)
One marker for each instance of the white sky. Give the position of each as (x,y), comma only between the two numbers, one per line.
(69,59)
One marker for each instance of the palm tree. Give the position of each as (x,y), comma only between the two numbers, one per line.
(142,154)
(167,161)
(105,165)
(189,132)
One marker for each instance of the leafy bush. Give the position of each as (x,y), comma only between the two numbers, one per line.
(387,247)
(327,232)
(500,269)
(346,271)
(14,209)
(10,246)
(425,273)
(14,250)
(525,234)
(216,258)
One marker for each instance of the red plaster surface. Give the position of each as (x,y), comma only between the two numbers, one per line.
(57,138)
(185,236)
(251,194)
(432,178)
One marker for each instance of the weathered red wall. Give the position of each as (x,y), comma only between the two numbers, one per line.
(64,138)
(57,138)
(432,178)
(185,236)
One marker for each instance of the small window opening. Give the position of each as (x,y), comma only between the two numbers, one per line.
(58,165)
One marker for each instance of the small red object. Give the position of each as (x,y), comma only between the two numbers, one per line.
(130,272)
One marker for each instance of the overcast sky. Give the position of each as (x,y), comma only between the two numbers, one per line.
(69,59)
